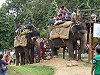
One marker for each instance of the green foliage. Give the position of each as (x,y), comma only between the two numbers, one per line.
(7,26)
(53,9)
(43,34)
(30,70)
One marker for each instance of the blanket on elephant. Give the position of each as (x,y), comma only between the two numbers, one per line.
(61,32)
(20,41)
(65,25)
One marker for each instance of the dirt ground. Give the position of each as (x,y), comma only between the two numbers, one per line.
(62,69)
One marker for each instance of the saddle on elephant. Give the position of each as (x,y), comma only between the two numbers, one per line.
(25,31)
(60,31)
(20,41)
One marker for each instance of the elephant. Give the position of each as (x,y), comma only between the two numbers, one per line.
(78,31)
(33,41)
(27,52)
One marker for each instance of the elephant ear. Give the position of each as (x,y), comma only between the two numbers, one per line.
(35,33)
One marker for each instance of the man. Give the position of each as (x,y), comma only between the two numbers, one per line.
(63,10)
(93,16)
(96,62)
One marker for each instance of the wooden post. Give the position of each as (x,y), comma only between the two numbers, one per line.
(90,49)
(92,42)
(89,45)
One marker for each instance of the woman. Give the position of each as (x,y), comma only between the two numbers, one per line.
(3,68)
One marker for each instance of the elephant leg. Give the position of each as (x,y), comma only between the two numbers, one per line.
(75,50)
(80,50)
(52,49)
(26,56)
(71,51)
(83,42)
(55,53)
(64,52)
(17,57)
(79,54)
(22,59)
(32,56)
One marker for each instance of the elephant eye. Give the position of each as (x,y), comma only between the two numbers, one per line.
(33,38)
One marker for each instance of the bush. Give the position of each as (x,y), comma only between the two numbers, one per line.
(43,34)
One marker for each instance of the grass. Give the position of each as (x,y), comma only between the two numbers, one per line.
(30,70)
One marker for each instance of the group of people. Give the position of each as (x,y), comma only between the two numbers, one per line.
(64,15)
(25,25)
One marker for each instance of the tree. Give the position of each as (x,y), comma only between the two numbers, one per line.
(53,9)
(7,26)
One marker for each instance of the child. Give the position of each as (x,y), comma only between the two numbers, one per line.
(2,62)
(96,62)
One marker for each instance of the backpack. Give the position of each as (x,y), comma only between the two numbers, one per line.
(4,67)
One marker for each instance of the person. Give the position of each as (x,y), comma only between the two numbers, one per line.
(73,16)
(14,58)
(77,11)
(18,29)
(29,24)
(8,58)
(94,17)
(18,26)
(4,51)
(96,62)
(2,62)
(63,10)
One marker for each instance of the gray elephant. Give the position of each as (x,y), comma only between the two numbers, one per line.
(27,51)
(78,31)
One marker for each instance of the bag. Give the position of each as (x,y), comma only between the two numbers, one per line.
(4,67)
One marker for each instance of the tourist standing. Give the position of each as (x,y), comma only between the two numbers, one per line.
(3,67)
(96,62)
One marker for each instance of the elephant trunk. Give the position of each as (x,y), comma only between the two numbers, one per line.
(84,41)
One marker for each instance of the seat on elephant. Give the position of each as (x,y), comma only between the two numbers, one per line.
(61,31)
(20,41)
(25,31)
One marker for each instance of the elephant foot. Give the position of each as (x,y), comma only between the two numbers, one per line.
(69,65)
(70,59)
(48,57)
(80,60)
(55,56)
(17,64)
(72,63)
